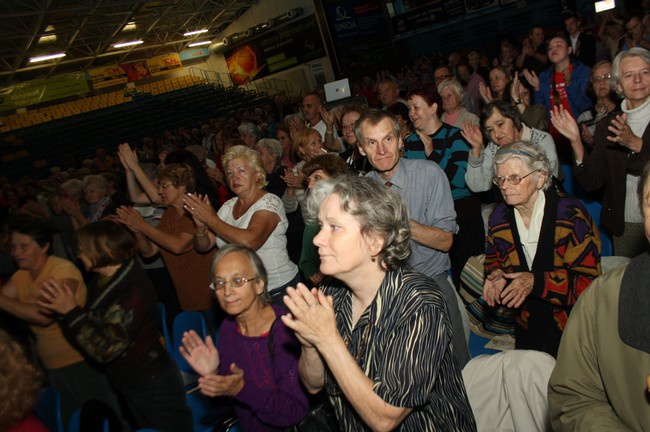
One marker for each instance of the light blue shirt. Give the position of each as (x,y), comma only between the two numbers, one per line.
(425,189)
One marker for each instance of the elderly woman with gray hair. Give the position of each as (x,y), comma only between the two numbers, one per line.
(95,189)
(453,104)
(270,151)
(376,335)
(543,248)
(256,364)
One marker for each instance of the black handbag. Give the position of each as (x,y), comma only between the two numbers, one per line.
(319,418)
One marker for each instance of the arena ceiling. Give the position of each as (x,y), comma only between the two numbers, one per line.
(87,29)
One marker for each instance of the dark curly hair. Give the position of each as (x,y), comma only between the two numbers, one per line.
(20,381)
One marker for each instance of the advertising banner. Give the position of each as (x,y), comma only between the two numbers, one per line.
(351,21)
(136,70)
(40,91)
(164,64)
(107,76)
(191,54)
(275,50)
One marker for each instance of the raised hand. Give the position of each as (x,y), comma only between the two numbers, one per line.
(311,316)
(532,78)
(485,92)
(328,117)
(427,141)
(128,157)
(293,179)
(623,135)
(564,122)
(202,356)
(515,89)
(472,134)
(198,207)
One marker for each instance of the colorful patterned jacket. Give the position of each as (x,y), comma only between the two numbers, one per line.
(567,258)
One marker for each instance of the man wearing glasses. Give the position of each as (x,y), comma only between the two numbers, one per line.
(621,149)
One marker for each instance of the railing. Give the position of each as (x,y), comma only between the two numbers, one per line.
(270,86)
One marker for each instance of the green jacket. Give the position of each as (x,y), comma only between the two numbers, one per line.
(599,382)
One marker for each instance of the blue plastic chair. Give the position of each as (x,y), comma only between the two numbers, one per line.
(48,409)
(183,322)
(75,421)
(162,324)
(206,416)
(569,181)
(594,208)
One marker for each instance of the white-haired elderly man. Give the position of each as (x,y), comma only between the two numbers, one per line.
(621,150)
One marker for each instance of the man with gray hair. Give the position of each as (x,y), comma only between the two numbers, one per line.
(425,189)
(621,150)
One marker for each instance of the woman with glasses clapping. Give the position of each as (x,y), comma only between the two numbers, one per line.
(256,364)
(173,238)
(543,248)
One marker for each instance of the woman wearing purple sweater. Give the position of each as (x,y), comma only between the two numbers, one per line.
(256,364)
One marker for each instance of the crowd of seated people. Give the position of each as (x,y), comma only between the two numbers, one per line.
(441,138)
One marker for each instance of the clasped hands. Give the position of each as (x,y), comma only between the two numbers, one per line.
(507,289)
(203,356)
(311,316)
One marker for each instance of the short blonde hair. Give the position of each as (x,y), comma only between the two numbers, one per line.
(251,156)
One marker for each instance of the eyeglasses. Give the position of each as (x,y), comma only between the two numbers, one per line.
(442,77)
(601,78)
(513,179)
(164,186)
(236,282)
(349,126)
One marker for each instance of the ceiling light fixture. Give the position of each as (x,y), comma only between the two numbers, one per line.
(195,32)
(130,26)
(46,57)
(194,44)
(126,44)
